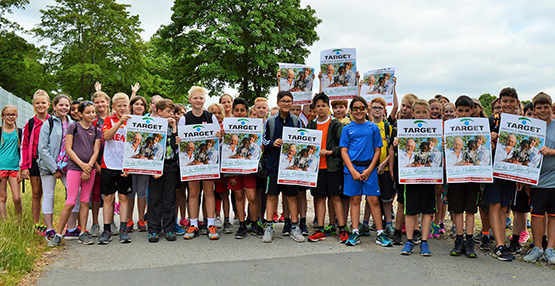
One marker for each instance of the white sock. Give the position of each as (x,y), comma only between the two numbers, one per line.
(58,235)
(380,231)
(355,230)
(194,222)
(210,221)
(71,229)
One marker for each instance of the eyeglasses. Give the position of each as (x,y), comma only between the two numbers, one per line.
(377,108)
(11,115)
(360,108)
(286,101)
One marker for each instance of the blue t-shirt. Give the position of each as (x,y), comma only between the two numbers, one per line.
(360,139)
(9,152)
(547,174)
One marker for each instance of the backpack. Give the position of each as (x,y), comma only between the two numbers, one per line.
(19,133)
(386,131)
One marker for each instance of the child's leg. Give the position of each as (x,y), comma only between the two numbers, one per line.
(285,207)
(302,203)
(497,215)
(346,204)
(293,208)
(331,211)
(469,224)
(123,207)
(16,195)
(426,221)
(226,204)
(400,216)
(3,197)
(49,185)
(73,185)
(155,197)
(208,190)
(240,204)
(338,211)
(374,203)
(96,197)
(86,189)
(181,198)
(411,222)
(131,204)
(355,210)
(108,208)
(36,187)
(320,210)
(271,206)
(169,201)
(367,212)
(193,204)
(254,206)
(459,222)
(550,231)
(538,229)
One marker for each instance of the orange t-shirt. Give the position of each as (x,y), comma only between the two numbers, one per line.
(324,128)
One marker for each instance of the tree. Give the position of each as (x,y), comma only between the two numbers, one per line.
(486,99)
(93,40)
(236,43)
(6,8)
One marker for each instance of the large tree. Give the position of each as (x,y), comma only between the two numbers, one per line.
(236,43)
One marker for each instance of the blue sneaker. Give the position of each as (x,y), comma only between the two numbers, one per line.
(383,240)
(353,240)
(178,230)
(509,222)
(364,229)
(407,250)
(528,225)
(424,249)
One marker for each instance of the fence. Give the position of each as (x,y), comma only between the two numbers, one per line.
(24,108)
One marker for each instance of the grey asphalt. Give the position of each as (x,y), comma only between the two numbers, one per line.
(284,262)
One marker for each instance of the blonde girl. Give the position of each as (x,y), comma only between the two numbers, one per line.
(10,141)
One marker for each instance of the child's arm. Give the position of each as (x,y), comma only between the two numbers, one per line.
(349,164)
(43,150)
(73,156)
(109,134)
(391,158)
(96,152)
(366,173)
(393,113)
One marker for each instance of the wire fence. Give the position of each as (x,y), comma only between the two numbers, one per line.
(24,108)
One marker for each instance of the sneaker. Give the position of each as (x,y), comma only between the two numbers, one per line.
(524,236)
(177,231)
(459,247)
(417,237)
(441,228)
(434,231)
(404,229)
(296,235)
(105,237)
(170,236)
(86,238)
(407,250)
(218,222)
(241,232)
(330,230)
(130,225)
(55,241)
(397,238)
(276,217)
(343,236)
(153,237)
(549,255)
(304,229)
(469,250)
(257,230)
(192,232)
(228,227)
(116,208)
(203,230)
(353,240)
(281,218)
(268,234)
(141,226)
(235,221)
(373,227)
(315,222)
(533,255)
(72,235)
(317,236)
(425,249)
(484,245)
(114,228)
(383,240)
(40,229)
(514,248)
(389,230)
(49,234)
(124,236)
(528,225)
(364,229)
(95,230)
(508,222)
(286,229)
(502,253)
(212,234)
(184,223)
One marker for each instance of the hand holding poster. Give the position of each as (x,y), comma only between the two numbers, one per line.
(145,145)
(338,67)
(299,159)
(297,79)
(199,152)
(241,145)
(517,156)
(420,161)
(468,150)
(378,83)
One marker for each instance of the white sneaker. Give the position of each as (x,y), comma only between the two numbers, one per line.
(297,235)
(549,255)
(218,222)
(268,234)
(533,255)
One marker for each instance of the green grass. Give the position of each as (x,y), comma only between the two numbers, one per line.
(20,246)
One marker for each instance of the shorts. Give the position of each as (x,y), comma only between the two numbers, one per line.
(369,187)
(328,184)
(463,197)
(34,171)
(260,182)
(420,199)
(221,185)
(111,182)
(8,173)
(237,183)
(139,184)
(274,189)
(387,190)
(497,193)
(542,201)
(521,202)
(401,193)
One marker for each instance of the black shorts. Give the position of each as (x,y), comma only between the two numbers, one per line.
(463,197)
(499,192)
(111,182)
(387,190)
(521,202)
(420,199)
(274,189)
(261,182)
(329,184)
(401,193)
(542,201)
(34,171)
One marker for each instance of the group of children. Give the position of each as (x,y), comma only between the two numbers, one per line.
(82,144)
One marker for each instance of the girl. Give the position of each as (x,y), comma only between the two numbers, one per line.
(52,160)
(29,167)
(435,109)
(227,102)
(10,138)
(82,146)
(449,111)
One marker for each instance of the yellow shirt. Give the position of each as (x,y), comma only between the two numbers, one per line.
(383,154)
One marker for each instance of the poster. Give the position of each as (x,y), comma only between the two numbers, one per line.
(378,83)
(199,153)
(338,67)
(420,157)
(241,149)
(145,145)
(300,157)
(517,156)
(468,150)
(298,79)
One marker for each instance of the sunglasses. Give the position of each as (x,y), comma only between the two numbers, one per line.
(360,108)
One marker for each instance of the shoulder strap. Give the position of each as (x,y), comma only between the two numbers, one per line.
(296,121)
(51,123)
(386,132)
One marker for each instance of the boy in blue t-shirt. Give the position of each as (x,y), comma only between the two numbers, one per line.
(360,144)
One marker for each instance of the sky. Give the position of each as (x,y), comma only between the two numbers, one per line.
(446,47)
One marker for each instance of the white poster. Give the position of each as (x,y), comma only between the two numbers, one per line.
(378,83)
(145,145)
(298,79)
(241,149)
(339,69)
(299,157)
(199,154)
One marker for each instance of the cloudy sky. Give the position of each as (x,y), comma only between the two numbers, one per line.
(446,47)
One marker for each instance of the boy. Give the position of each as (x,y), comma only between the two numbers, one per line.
(340,111)
(463,197)
(271,141)
(112,179)
(330,167)
(419,198)
(542,196)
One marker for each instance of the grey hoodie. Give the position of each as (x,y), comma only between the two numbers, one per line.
(49,146)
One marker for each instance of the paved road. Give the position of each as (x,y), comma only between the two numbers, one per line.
(284,262)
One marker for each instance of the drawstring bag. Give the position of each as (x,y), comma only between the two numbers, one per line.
(62,159)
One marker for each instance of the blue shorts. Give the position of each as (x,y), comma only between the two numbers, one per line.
(499,193)
(370,187)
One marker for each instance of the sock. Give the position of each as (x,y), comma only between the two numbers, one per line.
(544,242)
(321,228)
(107,227)
(303,220)
(205,221)
(294,225)
(226,219)
(388,223)
(58,235)
(342,227)
(355,231)
(469,237)
(410,240)
(424,240)
(485,232)
(71,229)
(243,223)
(270,223)
(194,222)
(397,232)
(459,237)
(366,222)
(287,220)
(210,221)
(122,225)
(379,232)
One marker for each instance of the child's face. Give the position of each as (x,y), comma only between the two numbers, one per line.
(448,112)
(166,112)
(543,111)
(88,114)
(62,108)
(296,110)
(435,110)
(377,110)
(41,104)
(285,104)
(227,103)
(358,111)
(508,104)
(464,111)
(312,113)
(177,115)
(443,101)
(240,110)
(138,108)
(339,111)
(218,113)
(530,113)
(420,112)
(74,112)
(9,116)
(100,104)
(197,100)
(322,109)
(121,107)
(261,108)
(406,110)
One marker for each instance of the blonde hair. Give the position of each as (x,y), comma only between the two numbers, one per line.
(120,96)
(260,99)
(100,94)
(410,98)
(421,102)
(41,92)
(60,97)
(449,104)
(6,107)
(197,89)
(221,107)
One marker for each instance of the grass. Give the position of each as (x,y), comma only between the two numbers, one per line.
(20,247)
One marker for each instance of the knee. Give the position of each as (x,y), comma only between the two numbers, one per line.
(239,196)
(355,200)
(123,198)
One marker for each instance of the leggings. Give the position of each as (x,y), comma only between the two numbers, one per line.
(74,183)
(48,187)
(139,186)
